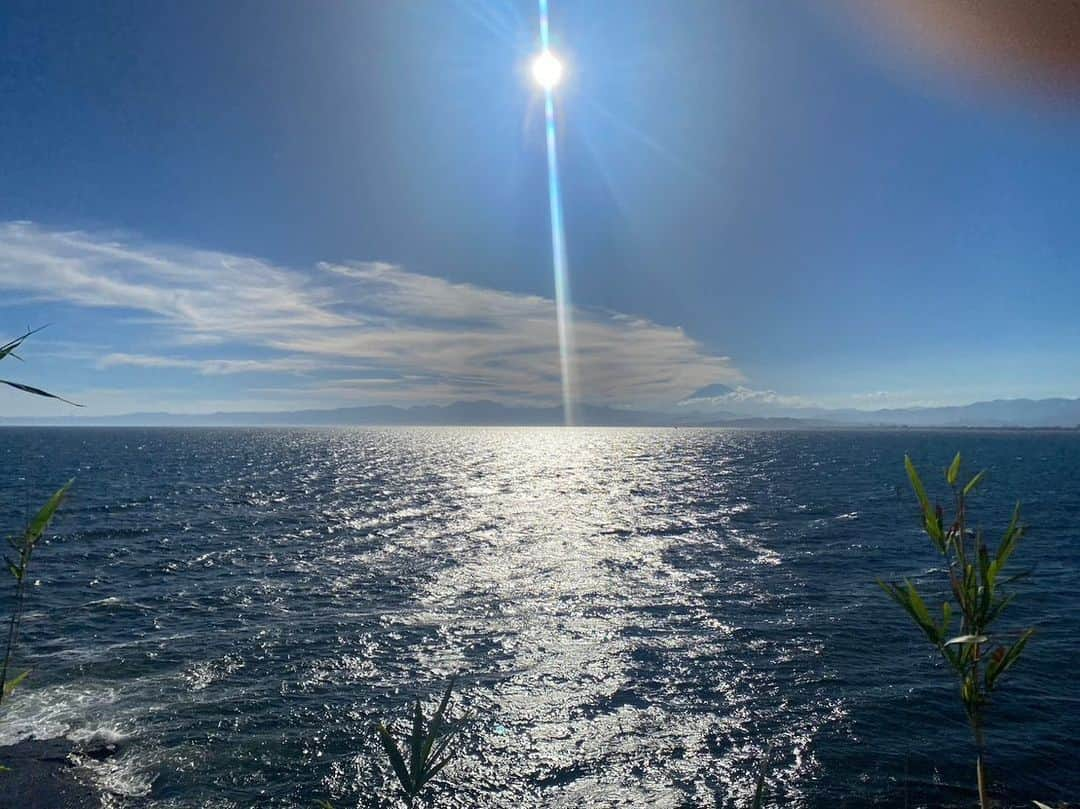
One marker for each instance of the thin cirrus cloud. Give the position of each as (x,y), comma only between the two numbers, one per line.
(214,367)
(348,332)
(741,395)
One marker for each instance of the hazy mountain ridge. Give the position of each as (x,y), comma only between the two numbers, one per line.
(472,413)
(1015,413)
(996,413)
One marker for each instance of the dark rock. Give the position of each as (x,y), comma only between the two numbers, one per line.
(43,774)
(100,752)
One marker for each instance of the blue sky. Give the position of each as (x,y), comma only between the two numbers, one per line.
(274,205)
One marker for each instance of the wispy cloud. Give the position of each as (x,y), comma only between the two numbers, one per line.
(215,367)
(373,331)
(749,401)
(744,396)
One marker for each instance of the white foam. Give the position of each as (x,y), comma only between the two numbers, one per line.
(55,712)
(74,712)
(105,735)
(105,602)
(205,673)
(124,776)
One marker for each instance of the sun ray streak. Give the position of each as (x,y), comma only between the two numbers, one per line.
(558,238)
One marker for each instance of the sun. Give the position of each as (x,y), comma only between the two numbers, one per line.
(547,70)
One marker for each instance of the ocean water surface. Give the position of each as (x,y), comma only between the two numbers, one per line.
(636,615)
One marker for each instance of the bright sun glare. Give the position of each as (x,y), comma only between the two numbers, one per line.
(547,70)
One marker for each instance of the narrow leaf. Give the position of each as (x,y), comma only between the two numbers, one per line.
(10,346)
(431,773)
(974,483)
(396,759)
(416,742)
(36,391)
(953,471)
(437,720)
(45,514)
(966,639)
(1008,542)
(1011,656)
(946,618)
(921,614)
(13,683)
(916,483)
(998,608)
(759,790)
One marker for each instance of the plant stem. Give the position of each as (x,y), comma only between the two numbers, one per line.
(13,623)
(980,767)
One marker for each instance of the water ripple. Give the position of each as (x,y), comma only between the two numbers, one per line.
(638,614)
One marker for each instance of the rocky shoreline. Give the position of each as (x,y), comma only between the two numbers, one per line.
(46,774)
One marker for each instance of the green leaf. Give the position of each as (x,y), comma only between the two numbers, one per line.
(13,683)
(987,576)
(966,639)
(916,484)
(953,471)
(908,598)
(441,754)
(10,347)
(433,771)
(921,613)
(1008,542)
(437,720)
(999,667)
(917,604)
(998,607)
(428,752)
(45,514)
(397,761)
(974,483)
(930,520)
(759,789)
(36,391)
(416,741)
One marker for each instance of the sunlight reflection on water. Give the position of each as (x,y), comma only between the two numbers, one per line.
(638,614)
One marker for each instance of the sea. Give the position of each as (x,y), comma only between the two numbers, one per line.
(635,617)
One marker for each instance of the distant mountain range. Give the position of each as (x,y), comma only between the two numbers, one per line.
(996,413)
(1009,413)
(472,413)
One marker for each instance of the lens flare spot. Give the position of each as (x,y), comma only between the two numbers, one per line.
(547,70)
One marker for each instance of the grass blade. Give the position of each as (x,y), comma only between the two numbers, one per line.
(954,471)
(437,720)
(37,391)
(45,514)
(974,482)
(759,790)
(397,761)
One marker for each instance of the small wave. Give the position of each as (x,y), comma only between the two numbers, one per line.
(128,775)
(55,712)
(207,672)
(105,602)
(75,714)
(115,602)
(97,736)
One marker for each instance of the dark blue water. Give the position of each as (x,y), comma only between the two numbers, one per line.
(637,614)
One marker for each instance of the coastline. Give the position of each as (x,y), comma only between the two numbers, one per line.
(46,774)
